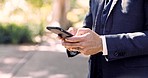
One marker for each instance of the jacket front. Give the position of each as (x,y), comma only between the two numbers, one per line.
(126,33)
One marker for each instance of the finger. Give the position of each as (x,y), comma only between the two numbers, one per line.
(59,37)
(82,31)
(75,39)
(72,45)
(63,42)
(74,49)
(72,30)
(80,38)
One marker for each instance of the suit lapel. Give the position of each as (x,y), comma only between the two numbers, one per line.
(112,6)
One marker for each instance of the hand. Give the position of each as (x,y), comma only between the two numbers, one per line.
(70,30)
(73,31)
(88,42)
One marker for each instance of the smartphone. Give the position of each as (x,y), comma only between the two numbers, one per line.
(60,32)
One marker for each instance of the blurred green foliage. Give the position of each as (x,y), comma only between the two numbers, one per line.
(23,20)
(77,12)
(39,3)
(17,34)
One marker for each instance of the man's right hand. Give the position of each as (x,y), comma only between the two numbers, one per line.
(84,40)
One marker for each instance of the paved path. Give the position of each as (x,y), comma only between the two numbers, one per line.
(40,62)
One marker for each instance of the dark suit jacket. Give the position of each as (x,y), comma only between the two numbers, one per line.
(126,32)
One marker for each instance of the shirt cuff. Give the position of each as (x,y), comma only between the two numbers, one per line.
(105,51)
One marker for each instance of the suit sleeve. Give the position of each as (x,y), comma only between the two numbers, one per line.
(130,44)
(88,21)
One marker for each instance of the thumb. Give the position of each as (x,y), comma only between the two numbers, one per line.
(72,30)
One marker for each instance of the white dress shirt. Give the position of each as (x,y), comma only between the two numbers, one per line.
(105,51)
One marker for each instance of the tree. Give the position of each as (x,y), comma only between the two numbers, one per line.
(59,14)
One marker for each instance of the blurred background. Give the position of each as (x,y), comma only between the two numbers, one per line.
(28,49)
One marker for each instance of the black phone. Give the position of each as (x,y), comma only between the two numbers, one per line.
(60,32)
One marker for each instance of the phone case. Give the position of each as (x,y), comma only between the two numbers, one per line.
(59,31)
